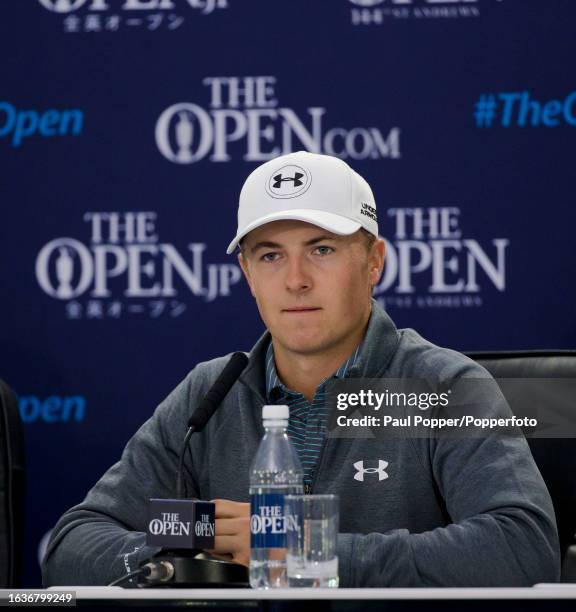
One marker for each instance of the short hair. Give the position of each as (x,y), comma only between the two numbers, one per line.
(369,238)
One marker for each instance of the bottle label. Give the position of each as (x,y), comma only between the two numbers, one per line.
(267,529)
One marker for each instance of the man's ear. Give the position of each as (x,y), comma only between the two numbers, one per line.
(377,257)
(246,270)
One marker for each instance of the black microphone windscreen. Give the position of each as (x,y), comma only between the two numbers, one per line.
(218,391)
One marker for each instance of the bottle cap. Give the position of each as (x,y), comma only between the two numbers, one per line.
(276,413)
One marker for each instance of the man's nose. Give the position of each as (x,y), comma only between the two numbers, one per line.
(298,278)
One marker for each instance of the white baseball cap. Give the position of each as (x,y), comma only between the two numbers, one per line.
(318,189)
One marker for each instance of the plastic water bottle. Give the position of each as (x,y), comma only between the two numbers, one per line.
(276,471)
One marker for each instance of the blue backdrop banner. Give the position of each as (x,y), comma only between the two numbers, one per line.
(128,126)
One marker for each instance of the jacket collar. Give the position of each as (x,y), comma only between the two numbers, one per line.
(380,345)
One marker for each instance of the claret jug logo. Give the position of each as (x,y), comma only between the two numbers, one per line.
(125,269)
(245,121)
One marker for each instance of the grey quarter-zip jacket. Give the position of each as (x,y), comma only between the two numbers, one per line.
(452,512)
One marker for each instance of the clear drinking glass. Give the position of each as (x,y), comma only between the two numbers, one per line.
(311,539)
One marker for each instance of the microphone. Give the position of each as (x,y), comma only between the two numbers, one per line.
(218,391)
(206,409)
(183,527)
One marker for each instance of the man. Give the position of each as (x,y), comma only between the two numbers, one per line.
(446,512)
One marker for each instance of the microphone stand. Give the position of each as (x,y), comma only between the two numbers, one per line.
(194,568)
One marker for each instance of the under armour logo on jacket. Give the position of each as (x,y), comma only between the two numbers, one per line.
(380,470)
(279,179)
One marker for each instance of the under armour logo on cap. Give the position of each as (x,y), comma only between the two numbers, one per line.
(295,179)
(290,181)
(380,470)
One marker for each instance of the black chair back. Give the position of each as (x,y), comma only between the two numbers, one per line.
(555,457)
(11,490)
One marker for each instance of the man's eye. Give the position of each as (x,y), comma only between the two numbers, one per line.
(324,250)
(269,257)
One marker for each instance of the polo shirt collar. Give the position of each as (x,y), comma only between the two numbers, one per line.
(274,386)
